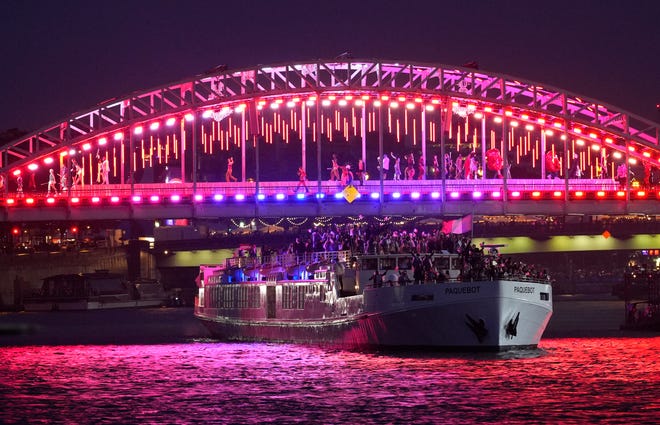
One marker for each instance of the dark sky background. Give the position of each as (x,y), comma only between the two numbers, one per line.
(64,56)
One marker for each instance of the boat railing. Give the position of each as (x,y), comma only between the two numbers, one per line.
(288,259)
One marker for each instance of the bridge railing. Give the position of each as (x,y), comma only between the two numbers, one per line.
(249,189)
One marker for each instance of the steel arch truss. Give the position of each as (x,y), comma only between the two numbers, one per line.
(626,132)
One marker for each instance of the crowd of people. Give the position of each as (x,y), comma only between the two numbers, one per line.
(475,262)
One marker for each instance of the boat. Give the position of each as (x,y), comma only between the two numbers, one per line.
(640,291)
(93,291)
(383,302)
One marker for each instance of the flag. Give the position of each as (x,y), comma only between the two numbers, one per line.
(458,226)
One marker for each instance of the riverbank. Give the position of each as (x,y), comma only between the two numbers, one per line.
(101,327)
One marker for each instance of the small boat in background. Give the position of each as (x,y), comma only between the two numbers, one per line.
(92,291)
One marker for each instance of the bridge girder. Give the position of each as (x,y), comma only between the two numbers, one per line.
(632,135)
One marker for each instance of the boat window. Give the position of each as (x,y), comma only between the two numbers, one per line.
(369,263)
(405,263)
(387,263)
(442,263)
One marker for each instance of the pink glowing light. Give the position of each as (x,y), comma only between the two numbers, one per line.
(154,198)
(138,130)
(199,198)
(48,160)
(118,136)
(114,199)
(175,198)
(103,141)
(170,121)
(86,146)
(50,200)
(189,117)
(75,200)
(32,167)
(154,126)
(96,199)
(29,201)
(136,199)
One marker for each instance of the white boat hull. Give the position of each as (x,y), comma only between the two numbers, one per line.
(488,315)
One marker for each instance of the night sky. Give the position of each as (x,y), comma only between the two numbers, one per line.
(60,57)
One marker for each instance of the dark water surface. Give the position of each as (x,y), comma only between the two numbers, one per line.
(581,380)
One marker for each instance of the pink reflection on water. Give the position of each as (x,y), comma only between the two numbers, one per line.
(567,381)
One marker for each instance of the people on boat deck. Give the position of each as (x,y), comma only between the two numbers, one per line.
(377,278)
(338,268)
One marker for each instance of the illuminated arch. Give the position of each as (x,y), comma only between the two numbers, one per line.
(359,83)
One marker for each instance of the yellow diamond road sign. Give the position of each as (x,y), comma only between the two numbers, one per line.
(350,193)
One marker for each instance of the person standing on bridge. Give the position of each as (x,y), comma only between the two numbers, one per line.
(105,170)
(334,169)
(397,166)
(77,173)
(493,164)
(622,175)
(302,179)
(360,173)
(52,185)
(386,166)
(19,186)
(64,172)
(229,175)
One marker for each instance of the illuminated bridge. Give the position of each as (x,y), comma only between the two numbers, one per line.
(164,152)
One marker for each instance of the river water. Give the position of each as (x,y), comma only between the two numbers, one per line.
(566,380)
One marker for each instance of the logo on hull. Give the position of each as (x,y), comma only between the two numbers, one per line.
(511,328)
(478,327)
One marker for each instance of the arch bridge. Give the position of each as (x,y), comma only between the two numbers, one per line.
(165,152)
